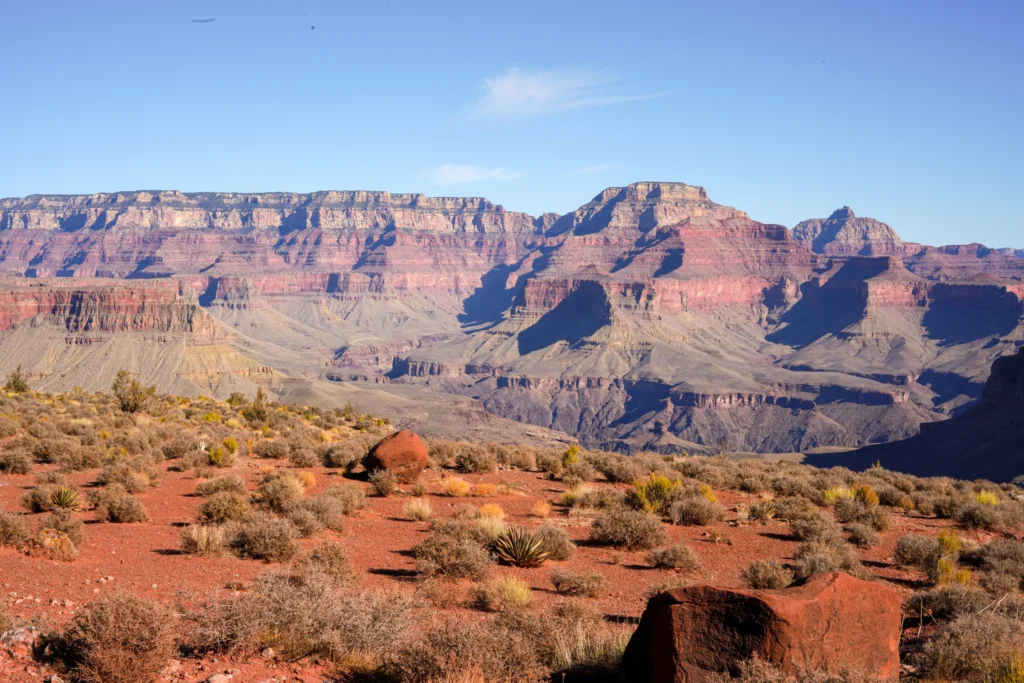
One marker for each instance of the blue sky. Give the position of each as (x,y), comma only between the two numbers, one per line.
(909,112)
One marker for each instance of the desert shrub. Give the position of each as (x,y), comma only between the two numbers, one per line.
(328,559)
(17,381)
(15,463)
(1002,555)
(54,449)
(135,474)
(223,506)
(975,647)
(303,455)
(853,511)
(491,510)
(915,551)
(221,458)
(678,557)
(599,499)
(277,450)
(349,496)
(541,508)
(451,553)
(556,542)
(305,522)
(113,503)
(758,671)
(198,539)
(567,582)
(118,638)
(384,482)
(761,510)
(947,602)
(834,494)
(519,547)
(132,396)
(816,527)
(64,522)
(65,498)
(344,454)
(762,574)
(474,458)
(499,595)
(653,493)
(620,469)
(579,471)
(279,490)
(629,529)
(815,557)
(1006,516)
(695,511)
(37,499)
(53,545)
(265,537)
(180,444)
(13,529)
(328,511)
(862,535)
(231,483)
(550,462)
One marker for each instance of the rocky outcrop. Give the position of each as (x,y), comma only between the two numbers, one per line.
(845,234)
(402,453)
(831,623)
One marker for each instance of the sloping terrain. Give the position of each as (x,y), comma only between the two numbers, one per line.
(984,442)
(650,318)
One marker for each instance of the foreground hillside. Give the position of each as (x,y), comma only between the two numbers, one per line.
(651,318)
(206,540)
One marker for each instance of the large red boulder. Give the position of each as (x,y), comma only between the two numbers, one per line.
(832,622)
(402,453)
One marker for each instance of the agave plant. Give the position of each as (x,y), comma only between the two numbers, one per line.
(520,548)
(65,498)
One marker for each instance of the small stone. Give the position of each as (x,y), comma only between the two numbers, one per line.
(267,653)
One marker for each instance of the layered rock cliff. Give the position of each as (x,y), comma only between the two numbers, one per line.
(651,317)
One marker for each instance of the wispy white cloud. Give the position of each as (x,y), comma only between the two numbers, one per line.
(523,92)
(454,174)
(587,170)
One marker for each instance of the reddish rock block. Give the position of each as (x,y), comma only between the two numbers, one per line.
(402,453)
(831,622)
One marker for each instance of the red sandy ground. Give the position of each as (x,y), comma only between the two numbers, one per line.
(144,559)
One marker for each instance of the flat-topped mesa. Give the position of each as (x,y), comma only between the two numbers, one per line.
(845,234)
(332,210)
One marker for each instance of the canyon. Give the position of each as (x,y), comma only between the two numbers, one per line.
(651,318)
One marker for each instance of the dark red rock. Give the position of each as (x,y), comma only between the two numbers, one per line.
(402,453)
(829,623)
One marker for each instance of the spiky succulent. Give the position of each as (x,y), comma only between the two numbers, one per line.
(519,547)
(65,498)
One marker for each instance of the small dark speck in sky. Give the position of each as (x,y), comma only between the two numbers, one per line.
(312,28)
(204,21)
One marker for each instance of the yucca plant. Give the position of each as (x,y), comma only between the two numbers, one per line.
(520,548)
(65,498)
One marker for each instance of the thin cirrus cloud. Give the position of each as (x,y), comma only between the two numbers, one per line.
(587,170)
(519,93)
(455,174)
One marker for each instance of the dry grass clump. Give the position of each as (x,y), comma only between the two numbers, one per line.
(304,615)
(418,510)
(629,529)
(588,584)
(766,574)
(118,638)
(231,483)
(500,595)
(541,508)
(695,510)
(453,551)
(14,530)
(113,503)
(199,539)
(456,488)
(679,557)
(555,541)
